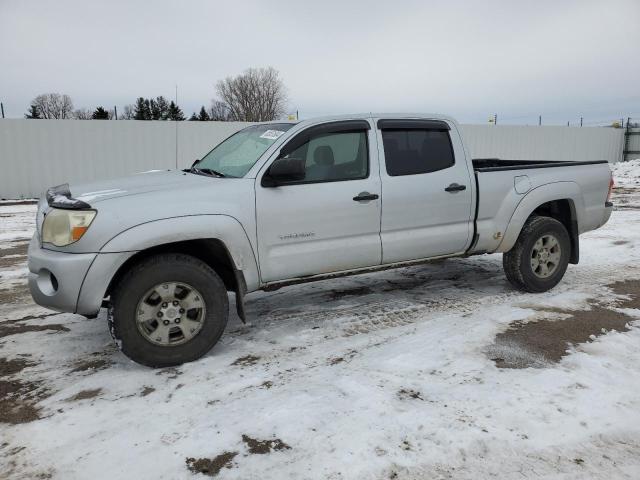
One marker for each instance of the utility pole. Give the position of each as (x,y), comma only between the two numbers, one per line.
(495,118)
(580,121)
(176,128)
(539,120)
(115,111)
(2,108)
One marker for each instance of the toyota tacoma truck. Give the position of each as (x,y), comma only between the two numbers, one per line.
(288,202)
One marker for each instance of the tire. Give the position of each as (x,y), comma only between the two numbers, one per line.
(523,266)
(176,344)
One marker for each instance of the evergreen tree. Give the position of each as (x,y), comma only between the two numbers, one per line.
(100,114)
(160,108)
(34,112)
(174,113)
(203,116)
(141,110)
(156,109)
(193,117)
(153,109)
(147,109)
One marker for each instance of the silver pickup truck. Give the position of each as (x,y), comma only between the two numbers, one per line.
(283,203)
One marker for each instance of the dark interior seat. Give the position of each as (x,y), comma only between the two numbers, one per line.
(323,162)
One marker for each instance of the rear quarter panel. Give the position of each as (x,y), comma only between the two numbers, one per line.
(502,211)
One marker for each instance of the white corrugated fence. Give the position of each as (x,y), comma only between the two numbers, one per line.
(35,154)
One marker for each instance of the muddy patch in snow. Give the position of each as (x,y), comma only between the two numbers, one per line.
(540,342)
(19,399)
(626,198)
(85,395)
(34,317)
(12,366)
(90,365)
(350,292)
(146,391)
(14,254)
(14,327)
(246,361)
(409,394)
(171,372)
(14,294)
(261,447)
(347,356)
(211,466)
(620,242)
(11,203)
(631,290)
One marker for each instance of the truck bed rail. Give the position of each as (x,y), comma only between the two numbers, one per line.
(497,164)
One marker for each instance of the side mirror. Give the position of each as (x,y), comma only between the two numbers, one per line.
(284,170)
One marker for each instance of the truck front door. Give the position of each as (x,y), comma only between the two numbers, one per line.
(330,220)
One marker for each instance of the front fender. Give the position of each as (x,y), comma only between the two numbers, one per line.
(225,228)
(117,250)
(532,200)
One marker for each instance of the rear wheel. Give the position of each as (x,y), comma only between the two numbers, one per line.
(539,259)
(167,310)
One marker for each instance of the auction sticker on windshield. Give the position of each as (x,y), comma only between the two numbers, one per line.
(271,134)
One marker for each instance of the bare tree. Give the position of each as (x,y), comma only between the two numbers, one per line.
(82,114)
(54,105)
(219,111)
(127,112)
(257,95)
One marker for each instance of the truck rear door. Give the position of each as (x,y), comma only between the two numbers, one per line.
(426,190)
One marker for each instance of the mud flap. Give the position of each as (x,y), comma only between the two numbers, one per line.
(241,290)
(575,243)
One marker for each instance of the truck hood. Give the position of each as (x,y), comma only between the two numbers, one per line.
(146,182)
(124,203)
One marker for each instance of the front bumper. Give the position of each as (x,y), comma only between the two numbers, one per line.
(71,282)
(55,278)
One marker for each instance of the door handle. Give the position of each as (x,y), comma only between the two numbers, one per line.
(363,196)
(454,187)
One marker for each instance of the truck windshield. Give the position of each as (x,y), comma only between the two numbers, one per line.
(235,156)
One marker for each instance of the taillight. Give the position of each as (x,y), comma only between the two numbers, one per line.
(610,187)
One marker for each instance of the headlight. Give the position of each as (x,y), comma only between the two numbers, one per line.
(64,227)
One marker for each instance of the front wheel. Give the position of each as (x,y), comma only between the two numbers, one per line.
(539,259)
(167,310)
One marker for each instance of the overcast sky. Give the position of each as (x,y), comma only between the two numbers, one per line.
(560,59)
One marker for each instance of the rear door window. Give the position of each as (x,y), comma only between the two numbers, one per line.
(413,151)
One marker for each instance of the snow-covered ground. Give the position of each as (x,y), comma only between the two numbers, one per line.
(387,375)
(627,174)
(17,223)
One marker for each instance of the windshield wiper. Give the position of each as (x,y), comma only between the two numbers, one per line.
(207,171)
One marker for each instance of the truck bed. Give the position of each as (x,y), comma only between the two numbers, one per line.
(497,164)
(497,197)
